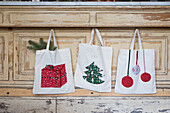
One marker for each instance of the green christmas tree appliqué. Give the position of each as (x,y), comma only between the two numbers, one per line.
(93,74)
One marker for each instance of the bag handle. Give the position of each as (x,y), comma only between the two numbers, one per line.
(48,44)
(98,36)
(133,40)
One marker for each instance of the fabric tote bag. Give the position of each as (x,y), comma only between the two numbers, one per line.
(93,69)
(53,70)
(136,70)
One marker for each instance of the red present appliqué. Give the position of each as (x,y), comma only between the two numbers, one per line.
(53,76)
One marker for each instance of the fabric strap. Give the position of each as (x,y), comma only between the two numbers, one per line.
(48,44)
(133,40)
(98,36)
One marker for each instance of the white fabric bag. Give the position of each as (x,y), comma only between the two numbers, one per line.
(136,70)
(53,70)
(93,69)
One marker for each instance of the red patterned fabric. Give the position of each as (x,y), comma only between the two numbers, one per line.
(53,76)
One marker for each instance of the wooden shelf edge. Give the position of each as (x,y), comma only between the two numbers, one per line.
(14,92)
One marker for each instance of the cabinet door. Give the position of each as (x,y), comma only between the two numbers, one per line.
(154,38)
(4,36)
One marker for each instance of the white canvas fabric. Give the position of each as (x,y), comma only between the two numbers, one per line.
(46,57)
(139,78)
(93,69)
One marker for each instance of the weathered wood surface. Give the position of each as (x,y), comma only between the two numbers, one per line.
(85,105)
(84,16)
(113,105)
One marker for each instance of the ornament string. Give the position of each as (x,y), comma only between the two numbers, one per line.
(144,60)
(136,68)
(136,57)
(128,63)
(127,81)
(145,77)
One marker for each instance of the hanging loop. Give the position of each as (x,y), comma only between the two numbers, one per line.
(98,36)
(133,40)
(49,39)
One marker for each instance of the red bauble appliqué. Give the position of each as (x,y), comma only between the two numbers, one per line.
(53,76)
(145,77)
(127,81)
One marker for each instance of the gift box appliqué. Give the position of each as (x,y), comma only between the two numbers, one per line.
(53,76)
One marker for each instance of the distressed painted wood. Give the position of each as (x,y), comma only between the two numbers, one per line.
(134,19)
(27,105)
(46,17)
(84,104)
(85,16)
(113,104)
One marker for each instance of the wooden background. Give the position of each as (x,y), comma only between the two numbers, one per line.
(72,25)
